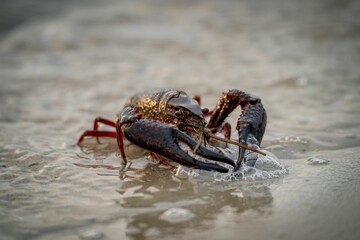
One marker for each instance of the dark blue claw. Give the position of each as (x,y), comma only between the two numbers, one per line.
(163,139)
(247,138)
(251,124)
(251,127)
(202,151)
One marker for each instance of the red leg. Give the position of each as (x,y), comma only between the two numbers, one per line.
(91,133)
(120,139)
(226,129)
(161,160)
(103,121)
(208,114)
(205,111)
(198,99)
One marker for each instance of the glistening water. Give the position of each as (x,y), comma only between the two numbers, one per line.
(62,64)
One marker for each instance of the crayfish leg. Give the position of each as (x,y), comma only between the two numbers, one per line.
(103,121)
(205,111)
(161,160)
(95,133)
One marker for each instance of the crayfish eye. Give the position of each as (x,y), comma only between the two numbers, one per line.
(205,110)
(178,113)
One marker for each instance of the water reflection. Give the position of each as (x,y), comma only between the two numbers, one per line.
(158,201)
(151,191)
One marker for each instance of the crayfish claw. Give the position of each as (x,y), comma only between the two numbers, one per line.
(211,167)
(164,139)
(240,159)
(245,156)
(203,151)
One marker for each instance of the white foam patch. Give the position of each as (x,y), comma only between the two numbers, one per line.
(317,161)
(177,215)
(266,167)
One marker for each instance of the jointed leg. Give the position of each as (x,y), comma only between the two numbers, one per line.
(198,99)
(161,160)
(92,133)
(103,121)
(205,111)
(226,130)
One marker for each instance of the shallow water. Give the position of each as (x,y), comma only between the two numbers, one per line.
(59,71)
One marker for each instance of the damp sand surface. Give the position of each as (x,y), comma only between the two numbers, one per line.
(60,67)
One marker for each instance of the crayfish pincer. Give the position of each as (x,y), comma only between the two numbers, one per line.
(160,120)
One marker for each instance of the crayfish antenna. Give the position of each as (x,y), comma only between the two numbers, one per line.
(201,138)
(235,143)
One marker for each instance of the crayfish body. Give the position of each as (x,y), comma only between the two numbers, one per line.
(158,120)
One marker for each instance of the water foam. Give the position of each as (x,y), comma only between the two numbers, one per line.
(266,167)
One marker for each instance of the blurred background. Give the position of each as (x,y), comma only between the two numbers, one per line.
(63,63)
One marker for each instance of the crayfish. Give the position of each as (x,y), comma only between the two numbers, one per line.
(159,120)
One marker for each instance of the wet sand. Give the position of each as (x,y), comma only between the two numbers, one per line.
(61,66)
